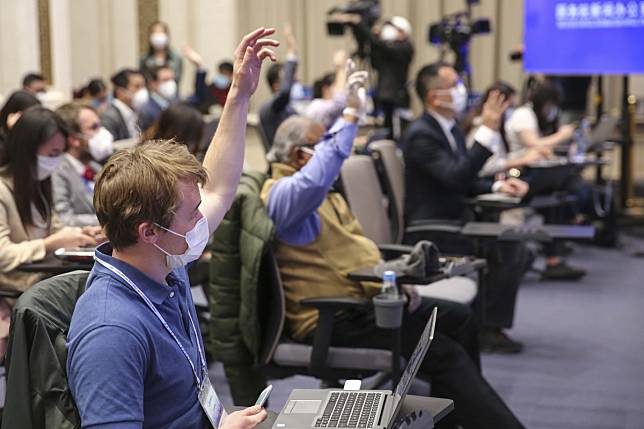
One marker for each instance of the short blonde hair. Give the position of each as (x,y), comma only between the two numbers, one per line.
(140,185)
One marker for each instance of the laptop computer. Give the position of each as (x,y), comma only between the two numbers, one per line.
(319,408)
(603,131)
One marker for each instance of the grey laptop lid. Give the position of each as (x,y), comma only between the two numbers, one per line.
(411,370)
(604,129)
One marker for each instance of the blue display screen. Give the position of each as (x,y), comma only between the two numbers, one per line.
(584,37)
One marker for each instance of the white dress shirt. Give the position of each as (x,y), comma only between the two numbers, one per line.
(129,116)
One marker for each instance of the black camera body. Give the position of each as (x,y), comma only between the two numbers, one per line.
(455,30)
(369,11)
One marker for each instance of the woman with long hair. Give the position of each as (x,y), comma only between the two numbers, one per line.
(536,123)
(17,103)
(503,159)
(29,229)
(182,123)
(160,53)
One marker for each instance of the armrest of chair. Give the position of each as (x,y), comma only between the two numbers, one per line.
(438,228)
(327,308)
(438,233)
(10,293)
(438,222)
(335,303)
(392,251)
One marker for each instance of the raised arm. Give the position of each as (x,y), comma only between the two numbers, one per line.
(283,97)
(225,156)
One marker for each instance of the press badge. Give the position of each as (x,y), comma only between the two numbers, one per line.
(211,404)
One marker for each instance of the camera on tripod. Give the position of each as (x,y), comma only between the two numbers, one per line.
(369,11)
(456,30)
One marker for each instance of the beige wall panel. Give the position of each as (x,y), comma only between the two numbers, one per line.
(510,32)
(482,48)
(19,42)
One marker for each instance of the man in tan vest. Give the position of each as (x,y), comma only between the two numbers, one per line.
(319,241)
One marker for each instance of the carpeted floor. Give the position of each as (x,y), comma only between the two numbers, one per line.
(583,365)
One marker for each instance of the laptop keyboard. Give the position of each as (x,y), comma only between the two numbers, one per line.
(350,410)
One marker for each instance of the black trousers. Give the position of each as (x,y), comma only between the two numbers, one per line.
(452,364)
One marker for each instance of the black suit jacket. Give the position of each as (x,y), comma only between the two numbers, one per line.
(438,180)
(278,108)
(392,60)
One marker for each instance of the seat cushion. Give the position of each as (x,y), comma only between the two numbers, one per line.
(458,289)
(299,355)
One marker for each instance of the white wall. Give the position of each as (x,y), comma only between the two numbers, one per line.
(19,46)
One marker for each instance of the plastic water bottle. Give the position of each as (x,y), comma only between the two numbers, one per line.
(389,287)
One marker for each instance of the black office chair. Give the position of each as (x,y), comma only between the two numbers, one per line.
(281,357)
(38,395)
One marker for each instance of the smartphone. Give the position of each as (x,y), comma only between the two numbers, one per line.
(263,397)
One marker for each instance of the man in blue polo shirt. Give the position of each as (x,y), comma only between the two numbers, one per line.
(136,358)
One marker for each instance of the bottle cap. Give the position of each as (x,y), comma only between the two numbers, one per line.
(389,276)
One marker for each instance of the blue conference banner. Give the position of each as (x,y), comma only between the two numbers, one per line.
(584,37)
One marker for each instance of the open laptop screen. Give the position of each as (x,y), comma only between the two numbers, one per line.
(412,366)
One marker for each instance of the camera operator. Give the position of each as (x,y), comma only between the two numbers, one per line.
(391,53)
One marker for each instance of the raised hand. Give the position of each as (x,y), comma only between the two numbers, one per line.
(193,56)
(249,55)
(291,43)
(356,88)
(493,110)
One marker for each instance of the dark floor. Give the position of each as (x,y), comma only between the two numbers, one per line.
(583,365)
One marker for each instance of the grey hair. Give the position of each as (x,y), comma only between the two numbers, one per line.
(291,133)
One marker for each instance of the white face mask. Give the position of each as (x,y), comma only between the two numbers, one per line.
(459,98)
(158,40)
(140,98)
(41,96)
(101,145)
(168,89)
(47,165)
(196,238)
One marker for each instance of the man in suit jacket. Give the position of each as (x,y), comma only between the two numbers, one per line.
(73,182)
(163,91)
(441,173)
(391,54)
(120,118)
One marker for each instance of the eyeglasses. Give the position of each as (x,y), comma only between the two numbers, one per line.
(95,126)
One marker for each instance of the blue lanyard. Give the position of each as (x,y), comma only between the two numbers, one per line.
(162,320)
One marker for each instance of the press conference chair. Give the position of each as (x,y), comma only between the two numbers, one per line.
(282,357)
(391,171)
(367,202)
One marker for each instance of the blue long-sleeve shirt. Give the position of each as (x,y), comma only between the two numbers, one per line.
(293,201)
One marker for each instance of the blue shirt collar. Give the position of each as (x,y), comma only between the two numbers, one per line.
(155,291)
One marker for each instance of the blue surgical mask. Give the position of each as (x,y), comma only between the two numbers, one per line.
(553,114)
(221,81)
(298,92)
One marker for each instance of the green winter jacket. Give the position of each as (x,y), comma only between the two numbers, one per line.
(237,248)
